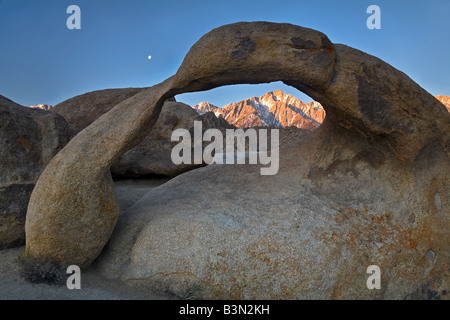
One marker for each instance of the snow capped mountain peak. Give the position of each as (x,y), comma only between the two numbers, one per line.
(204,107)
(275,108)
(445,101)
(42,107)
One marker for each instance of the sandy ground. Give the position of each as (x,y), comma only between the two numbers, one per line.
(93,285)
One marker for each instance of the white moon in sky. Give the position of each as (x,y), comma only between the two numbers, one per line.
(149,57)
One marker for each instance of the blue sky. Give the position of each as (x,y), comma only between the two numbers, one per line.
(41,61)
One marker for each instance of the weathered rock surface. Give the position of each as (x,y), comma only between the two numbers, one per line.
(209,120)
(370,186)
(28,141)
(235,234)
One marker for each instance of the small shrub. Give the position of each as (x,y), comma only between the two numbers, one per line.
(194,293)
(38,270)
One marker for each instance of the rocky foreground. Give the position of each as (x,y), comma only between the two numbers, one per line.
(29,139)
(94,286)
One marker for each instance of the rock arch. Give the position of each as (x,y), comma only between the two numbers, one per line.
(378,112)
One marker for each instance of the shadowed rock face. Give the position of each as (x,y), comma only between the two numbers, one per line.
(29,138)
(152,154)
(368,187)
(82,110)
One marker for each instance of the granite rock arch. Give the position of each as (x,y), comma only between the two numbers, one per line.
(376,111)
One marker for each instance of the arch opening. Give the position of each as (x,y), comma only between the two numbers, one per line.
(273,104)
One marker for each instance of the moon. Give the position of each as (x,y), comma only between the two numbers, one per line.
(149,57)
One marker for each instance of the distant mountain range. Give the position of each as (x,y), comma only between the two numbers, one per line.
(445,101)
(42,106)
(275,109)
